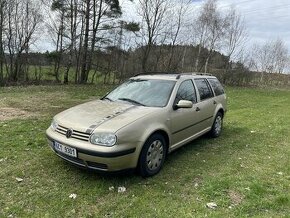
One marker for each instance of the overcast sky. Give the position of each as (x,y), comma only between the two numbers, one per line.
(265,19)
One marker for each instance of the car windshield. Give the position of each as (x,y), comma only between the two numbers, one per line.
(150,93)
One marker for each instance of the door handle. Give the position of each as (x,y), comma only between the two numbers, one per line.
(197,109)
(214,102)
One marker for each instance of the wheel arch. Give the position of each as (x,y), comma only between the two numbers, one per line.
(221,110)
(162,133)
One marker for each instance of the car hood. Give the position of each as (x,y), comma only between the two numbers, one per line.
(101,115)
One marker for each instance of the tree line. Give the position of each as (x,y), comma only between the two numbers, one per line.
(93,38)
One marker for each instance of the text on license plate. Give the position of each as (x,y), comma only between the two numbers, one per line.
(65,149)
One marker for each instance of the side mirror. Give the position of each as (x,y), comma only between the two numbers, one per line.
(183,104)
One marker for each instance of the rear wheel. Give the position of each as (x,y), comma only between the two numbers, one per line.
(152,155)
(217,126)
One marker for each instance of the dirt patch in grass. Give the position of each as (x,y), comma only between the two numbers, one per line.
(9,113)
(236,198)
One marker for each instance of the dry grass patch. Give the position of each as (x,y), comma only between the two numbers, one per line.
(236,197)
(10,113)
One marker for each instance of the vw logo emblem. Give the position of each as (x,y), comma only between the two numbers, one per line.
(69,133)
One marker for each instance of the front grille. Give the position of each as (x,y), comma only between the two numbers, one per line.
(83,136)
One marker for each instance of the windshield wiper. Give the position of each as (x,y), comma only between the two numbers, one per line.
(131,101)
(106,98)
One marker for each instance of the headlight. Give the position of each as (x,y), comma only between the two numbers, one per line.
(54,125)
(106,139)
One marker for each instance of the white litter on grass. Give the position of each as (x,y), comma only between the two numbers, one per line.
(253,131)
(211,205)
(121,189)
(73,196)
(111,188)
(19,179)
(280,173)
(3,159)
(248,189)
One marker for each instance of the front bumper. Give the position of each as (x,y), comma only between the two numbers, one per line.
(101,158)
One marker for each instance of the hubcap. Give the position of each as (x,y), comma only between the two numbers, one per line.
(155,155)
(218,124)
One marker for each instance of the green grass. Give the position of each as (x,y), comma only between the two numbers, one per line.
(246,171)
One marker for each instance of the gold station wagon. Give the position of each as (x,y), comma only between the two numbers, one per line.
(139,122)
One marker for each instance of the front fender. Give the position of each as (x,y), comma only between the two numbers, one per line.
(140,130)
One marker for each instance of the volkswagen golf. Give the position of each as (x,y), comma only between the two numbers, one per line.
(140,122)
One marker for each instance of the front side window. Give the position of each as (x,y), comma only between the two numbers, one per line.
(203,89)
(186,91)
(146,92)
(216,85)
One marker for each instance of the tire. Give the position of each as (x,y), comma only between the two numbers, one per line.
(152,156)
(217,126)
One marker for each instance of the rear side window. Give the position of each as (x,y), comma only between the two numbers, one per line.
(204,90)
(217,86)
(186,91)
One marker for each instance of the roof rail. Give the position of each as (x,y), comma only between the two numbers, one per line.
(194,73)
(204,74)
(178,75)
(153,73)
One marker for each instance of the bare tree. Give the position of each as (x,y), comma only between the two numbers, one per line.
(73,25)
(235,35)
(23,18)
(153,13)
(176,23)
(281,56)
(209,28)
(270,57)
(102,13)
(215,23)
(58,27)
(76,29)
(2,54)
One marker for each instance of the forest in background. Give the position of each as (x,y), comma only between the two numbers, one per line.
(93,42)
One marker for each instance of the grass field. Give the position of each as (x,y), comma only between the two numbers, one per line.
(246,171)
(45,75)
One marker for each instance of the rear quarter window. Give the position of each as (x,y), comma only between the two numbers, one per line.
(217,86)
(204,89)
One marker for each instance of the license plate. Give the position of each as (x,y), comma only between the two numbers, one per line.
(65,149)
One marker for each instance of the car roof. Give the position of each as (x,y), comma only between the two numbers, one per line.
(171,76)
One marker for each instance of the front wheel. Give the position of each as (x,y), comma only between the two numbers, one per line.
(152,155)
(216,128)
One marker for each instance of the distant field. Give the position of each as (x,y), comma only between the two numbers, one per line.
(45,74)
(246,171)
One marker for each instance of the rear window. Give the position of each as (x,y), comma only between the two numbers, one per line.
(217,86)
